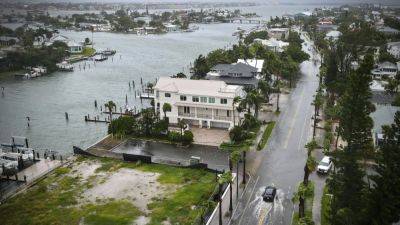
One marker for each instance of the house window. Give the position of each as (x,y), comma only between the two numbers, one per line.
(224,101)
(195,99)
(211,100)
(157,94)
(167,95)
(227,113)
(203,99)
(186,109)
(183,97)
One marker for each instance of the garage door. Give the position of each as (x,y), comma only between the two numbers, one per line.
(220,125)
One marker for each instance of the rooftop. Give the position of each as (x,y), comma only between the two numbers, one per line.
(257,63)
(197,87)
(244,69)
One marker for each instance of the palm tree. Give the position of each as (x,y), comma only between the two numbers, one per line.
(254,99)
(236,100)
(110,105)
(181,124)
(310,164)
(226,177)
(235,158)
(166,108)
(265,89)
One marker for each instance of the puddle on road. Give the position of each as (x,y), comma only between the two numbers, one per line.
(268,212)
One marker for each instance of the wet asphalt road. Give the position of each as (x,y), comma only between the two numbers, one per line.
(284,157)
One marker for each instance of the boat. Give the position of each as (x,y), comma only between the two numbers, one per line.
(65,66)
(33,73)
(108,52)
(100,58)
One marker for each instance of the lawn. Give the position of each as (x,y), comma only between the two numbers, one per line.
(87,51)
(57,199)
(266,134)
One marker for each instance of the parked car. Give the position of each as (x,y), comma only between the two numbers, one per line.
(324,165)
(269,194)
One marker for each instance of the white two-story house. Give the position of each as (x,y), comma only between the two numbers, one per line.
(202,103)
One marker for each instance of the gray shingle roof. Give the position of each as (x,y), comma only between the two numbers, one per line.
(235,70)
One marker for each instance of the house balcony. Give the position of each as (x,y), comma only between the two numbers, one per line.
(204,116)
(186,114)
(225,118)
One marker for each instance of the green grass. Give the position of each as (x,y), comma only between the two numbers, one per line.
(325,207)
(308,204)
(88,51)
(266,134)
(54,200)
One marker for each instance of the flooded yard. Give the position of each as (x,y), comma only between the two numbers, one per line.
(107,191)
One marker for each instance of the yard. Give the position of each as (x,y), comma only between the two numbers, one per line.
(106,191)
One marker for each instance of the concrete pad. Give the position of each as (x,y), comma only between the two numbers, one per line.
(210,137)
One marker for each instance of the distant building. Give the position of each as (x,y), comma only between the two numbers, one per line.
(394,49)
(202,103)
(273,44)
(388,30)
(72,45)
(333,35)
(326,27)
(8,41)
(171,27)
(278,33)
(235,74)
(384,70)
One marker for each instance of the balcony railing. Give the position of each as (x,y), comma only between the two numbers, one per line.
(226,118)
(204,116)
(186,114)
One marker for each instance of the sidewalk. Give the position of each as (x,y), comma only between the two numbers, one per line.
(226,215)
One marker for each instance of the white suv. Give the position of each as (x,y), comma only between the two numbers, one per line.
(325,165)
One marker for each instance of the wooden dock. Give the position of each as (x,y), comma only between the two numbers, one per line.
(96,120)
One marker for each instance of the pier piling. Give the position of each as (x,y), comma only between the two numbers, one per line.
(66,116)
(95,103)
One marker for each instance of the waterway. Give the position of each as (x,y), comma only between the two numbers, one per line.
(46,99)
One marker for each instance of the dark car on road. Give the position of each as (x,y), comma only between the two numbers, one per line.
(269,194)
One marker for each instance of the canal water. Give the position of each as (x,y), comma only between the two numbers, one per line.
(46,99)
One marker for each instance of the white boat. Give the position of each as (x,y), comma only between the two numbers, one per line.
(65,66)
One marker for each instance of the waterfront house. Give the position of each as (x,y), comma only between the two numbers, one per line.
(394,49)
(273,44)
(171,27)
(74,48)
(257,63)
(202,103)
(384,70)
(278,33)
(235,74)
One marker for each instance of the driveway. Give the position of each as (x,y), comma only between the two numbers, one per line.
(210,137)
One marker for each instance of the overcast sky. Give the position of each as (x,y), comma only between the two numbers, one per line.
(258,1)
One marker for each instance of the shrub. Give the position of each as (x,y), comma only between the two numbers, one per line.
(174,136)
(160,127)
(250,122)
(396,101)
(237,134)
(122,125)
(187,137)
